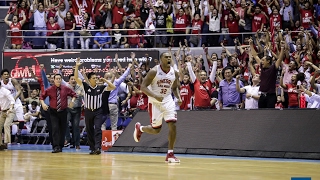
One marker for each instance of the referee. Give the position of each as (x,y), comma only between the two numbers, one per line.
(92,104)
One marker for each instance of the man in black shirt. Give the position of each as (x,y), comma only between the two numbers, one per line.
(92,104)
(268,77)
(161,22)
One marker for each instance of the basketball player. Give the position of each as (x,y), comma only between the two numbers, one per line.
(14,87)
(162,80)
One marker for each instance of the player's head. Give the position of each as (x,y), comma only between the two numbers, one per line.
(57,78)
(72,80)
(5,74)
(92,77)
(203,76)
(165,60)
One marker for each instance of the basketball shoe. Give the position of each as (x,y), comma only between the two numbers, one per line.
(137,133)
(171,158)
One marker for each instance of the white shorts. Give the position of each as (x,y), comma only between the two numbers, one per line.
(159,111)
(19,113)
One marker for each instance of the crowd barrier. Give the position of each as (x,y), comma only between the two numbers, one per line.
(250,133)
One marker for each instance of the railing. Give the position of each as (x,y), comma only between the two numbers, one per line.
(143,36)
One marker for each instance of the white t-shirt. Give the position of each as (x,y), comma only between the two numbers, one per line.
(251,103)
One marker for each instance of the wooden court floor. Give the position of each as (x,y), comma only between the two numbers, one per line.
(37,164)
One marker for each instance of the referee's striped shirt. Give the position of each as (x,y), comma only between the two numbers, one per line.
(93,96)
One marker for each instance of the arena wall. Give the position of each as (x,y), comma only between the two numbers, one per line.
(250,133)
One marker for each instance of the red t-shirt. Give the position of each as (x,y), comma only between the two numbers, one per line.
(26,12)
(134,101)
(293,95)
(54,27)
(186,94)
(181,22)
(118,14)
(133,40)
(233,28)
(196,26)
(16,31)
(257,21)
(202,93)
(306,17)
(275,20)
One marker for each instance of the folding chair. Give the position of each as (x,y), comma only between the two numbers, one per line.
(24,132)
(41,125)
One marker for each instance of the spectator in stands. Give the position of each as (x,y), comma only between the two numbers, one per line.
(181,23)
(40,19)
(32,114)
(306,15)
(69,27)
(186,91)
(24,8)
(118,41)
(202,86)
(15,28)
(102,39)
(134,39)
(118,13)
(293,100)
(135,93)
(113,98)
(288,71)
(85,34)
(311,97)
(53,30)
(268,77)
(33,96)
(197,23)
(287,11)
(214,24)
(74,113)
(258,20)
(228,97)
(161,17)
(251,91)
(231,22)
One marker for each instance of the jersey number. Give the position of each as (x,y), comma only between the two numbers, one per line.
(163,91)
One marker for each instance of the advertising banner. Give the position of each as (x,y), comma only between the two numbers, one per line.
(109,137)
(18,63)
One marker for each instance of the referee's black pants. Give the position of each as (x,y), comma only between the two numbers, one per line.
(94,122)
(59,126)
